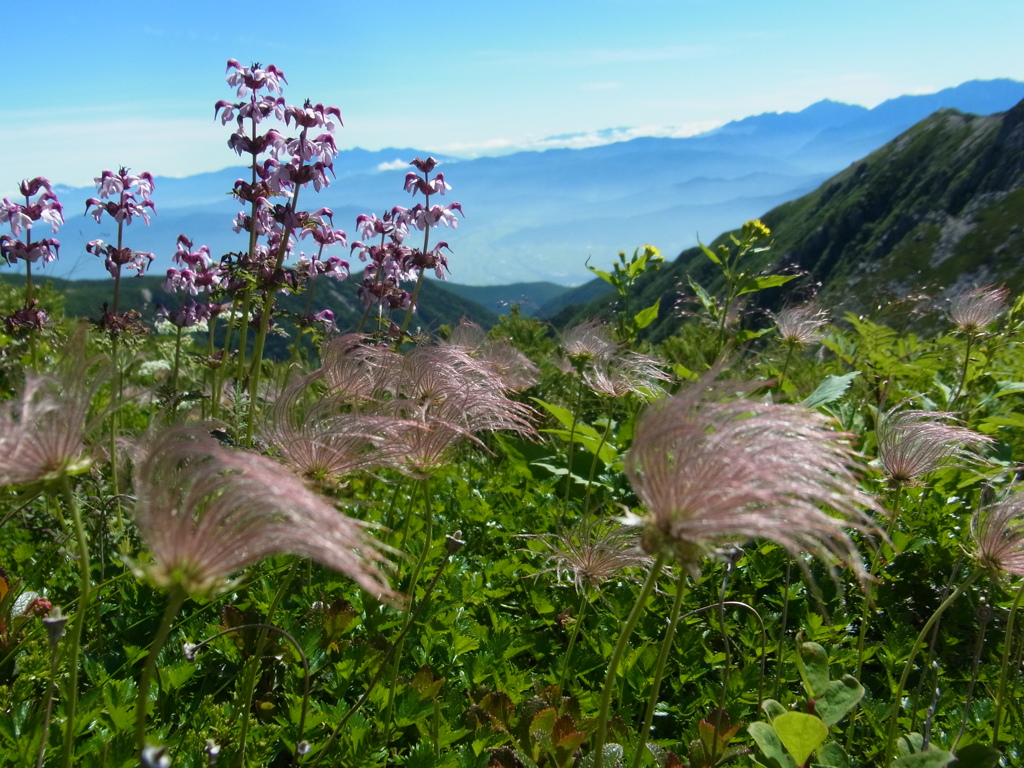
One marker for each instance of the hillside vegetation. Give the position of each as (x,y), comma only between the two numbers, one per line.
(936,209)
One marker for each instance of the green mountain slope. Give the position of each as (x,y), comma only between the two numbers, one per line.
(437,305)
(938,208)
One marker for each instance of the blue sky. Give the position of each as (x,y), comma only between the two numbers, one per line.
(93,86)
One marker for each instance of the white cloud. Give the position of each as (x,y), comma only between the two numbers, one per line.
(394,165)
(581,140)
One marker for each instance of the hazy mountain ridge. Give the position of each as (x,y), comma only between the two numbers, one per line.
(937,209)
(538,216)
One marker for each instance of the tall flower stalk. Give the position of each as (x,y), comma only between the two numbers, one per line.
(709,470)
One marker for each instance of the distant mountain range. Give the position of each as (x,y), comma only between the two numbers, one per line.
(937,209)
(539,216)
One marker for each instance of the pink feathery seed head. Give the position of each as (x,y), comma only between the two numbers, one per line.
(624,373)
(43,428)
(998,532)
(801,325)
(710,470)
(207,511)
(588,341)
(913,443)
(974,309)
(593,554)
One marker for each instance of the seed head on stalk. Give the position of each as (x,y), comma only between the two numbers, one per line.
(710,470)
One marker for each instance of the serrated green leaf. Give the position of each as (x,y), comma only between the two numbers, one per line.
(830,389)
(800,734)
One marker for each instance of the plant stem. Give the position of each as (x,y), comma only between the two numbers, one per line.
(593,465)
(48,709)
(963,374)
(177,360)
(584,602)
(659,671)
(780,653)
(75,636)
(305,670)
(175,600)
(249,684)
(604,709)
(890,739)
(572,442)
(428,527)
(414,616)
(1004,670)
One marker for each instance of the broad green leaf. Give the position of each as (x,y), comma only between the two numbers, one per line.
(909,744)
(1009,388)
(812,662)
(768,742)
(977,756)
(800,734)
(935,758)
(647,316)
(830,389)
(766,281)
(564,415)
(832,755)
(590,440)
(773,709)
(839,698)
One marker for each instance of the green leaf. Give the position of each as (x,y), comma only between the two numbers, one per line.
(647,316)
(812,661)
(832,755)
(612,754)
(564,415)
(977,756)
(709,253)
(935,758)
(800,734)
(767,741)
(709,304)
(839,698)
(773,709)
(766,281)
(830,389)
(589,439)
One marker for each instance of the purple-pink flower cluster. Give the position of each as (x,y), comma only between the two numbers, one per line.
(21,217)
(198,274)
(122,196)
(390,262)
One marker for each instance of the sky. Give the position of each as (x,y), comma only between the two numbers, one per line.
(91,86)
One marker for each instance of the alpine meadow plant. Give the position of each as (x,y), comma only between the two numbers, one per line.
(487,563)
(206,512)
(710,469)
(21,218)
